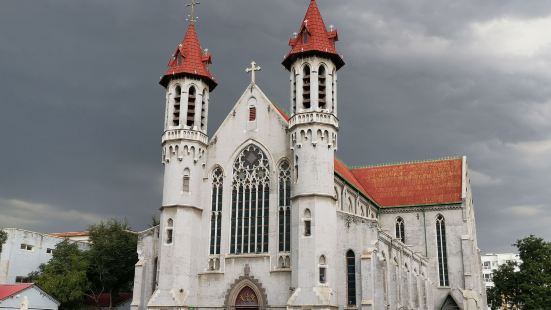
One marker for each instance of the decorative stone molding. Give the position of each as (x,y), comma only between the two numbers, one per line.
(243,281)
(314,117)
(413,209)
(184,134)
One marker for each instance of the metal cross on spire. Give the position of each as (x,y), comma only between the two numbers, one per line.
(254,67)
(192,18)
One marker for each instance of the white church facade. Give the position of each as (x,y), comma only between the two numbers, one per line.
(262,215)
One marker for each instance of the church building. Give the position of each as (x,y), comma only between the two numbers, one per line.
(261,214)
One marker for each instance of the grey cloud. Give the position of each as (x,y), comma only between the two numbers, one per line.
(81,112)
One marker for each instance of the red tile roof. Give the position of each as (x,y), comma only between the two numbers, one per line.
(7,290)
(422,183)
(406,184)
(318,39)
(190,59)
(71,234)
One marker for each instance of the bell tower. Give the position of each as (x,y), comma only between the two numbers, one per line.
(188,83)
(313,63)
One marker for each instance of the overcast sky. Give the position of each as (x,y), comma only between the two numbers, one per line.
(81,112)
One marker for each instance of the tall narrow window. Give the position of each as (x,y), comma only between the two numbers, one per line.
(155,275)
(179,59)
(176,106)
(169,231)
(204,109)
(400,231)
(192,94)
(333,90)
(351,277)
(216,211)
(252,113)
(307,223)
(294,90)
(284,207)
(305,36)
(442,250)
(322,79)
(323,269)
(306,87)
(185,181)
(250,202)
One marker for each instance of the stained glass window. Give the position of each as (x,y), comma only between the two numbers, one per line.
(216,211)
(250,202)
(442,251)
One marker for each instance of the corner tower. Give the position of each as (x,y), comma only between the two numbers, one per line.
(313,63)
(188,83)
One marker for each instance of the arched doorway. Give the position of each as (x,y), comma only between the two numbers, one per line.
(246,299)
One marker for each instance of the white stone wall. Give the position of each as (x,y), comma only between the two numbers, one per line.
(16,262)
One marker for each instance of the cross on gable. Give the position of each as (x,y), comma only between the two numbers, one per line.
(254,67)
(192,4)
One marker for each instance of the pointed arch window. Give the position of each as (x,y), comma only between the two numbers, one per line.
(305,36)
(307,223)
(284,206)
(204,103)
(192,94)
(176,106)
(322,80)
(185,181)
(179,59)
(250,202)
(322,269)
(306,87)
(442,251)
(351,278)
(294,89)
(400,229)
(216,211)
(169,231)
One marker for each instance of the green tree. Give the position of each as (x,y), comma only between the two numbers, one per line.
(64,276)
(526,285)
(112,257)
(3,238)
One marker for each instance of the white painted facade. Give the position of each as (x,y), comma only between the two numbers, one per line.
(333,227)
(30,298)
(492,261)
(23,252)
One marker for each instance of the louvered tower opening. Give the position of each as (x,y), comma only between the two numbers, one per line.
(322,87)
(306,88)
(176,106)
(191,107)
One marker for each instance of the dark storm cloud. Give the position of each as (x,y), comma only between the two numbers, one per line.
(81,112)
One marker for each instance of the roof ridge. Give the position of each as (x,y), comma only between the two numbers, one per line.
(410,162)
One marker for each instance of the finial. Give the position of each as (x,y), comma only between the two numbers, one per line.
(191,17)
(331,28)
(254,67)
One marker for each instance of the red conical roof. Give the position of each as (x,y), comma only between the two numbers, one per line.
(189,59)
(313,38)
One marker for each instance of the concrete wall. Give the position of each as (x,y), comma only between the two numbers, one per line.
(15,261)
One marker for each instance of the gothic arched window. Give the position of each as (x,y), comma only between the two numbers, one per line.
(322,78)
(204,109)
(442,250)
(307,223)
(216,211)
(284,206)
(169,231)
(294,90)
(400,231)
(250,202)
(306,87)
(322,269)
(192,94)
(185,181)
(351,278)
(176,106)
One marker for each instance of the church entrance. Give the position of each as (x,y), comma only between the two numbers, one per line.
(246,300)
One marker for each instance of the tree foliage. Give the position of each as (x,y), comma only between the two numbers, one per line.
(107,266)
(3,238)
(64,276)
(526,285)
(112,258)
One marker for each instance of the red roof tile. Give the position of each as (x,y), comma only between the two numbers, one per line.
(344,172)
(7,290)
(190,59)
(313,37)
(431,182)
(71,234)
